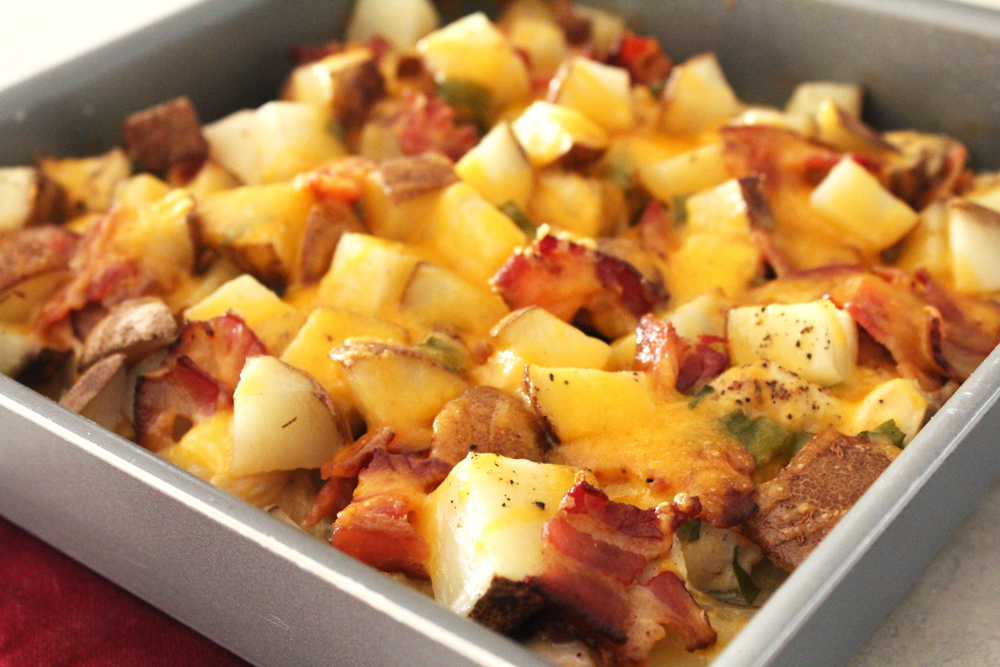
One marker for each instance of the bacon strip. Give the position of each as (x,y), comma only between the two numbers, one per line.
(597,553)
(643,58)
(673,361)
(197,378)
(375,528)
(575,282)
(428,124)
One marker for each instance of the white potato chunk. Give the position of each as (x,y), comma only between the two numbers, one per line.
(17,194)
(974,237)
(900,400)
(808,96)
(685,174)
(815,340)
(549,132)
(601,92)
(273,143)
(484,527)
(282,419)
(697,96)
(853,200)
(401,22)
(498,169)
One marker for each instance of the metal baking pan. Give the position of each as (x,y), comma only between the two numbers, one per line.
(276,596)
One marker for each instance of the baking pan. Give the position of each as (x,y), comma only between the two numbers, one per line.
(276,596)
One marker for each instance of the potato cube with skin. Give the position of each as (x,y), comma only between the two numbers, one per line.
(574,203)
(541,39)
(19,192)
(816,340)
(260,227)
(272,143)
(274,321)
(602,92)
(347,84)
(396,385)
(854,201)
(807,97)
(550,132)
(685,174)
(484,527)
(400,196)
(89,183)
(326,329)
(282,420)
(974,237)
(899,399)
(498,169)
(164,136)
(401,22)
(697,96)
(472,49)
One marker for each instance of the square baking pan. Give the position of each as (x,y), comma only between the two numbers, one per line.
(278,597)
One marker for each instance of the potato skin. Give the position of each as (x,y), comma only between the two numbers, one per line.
(487,421)
(506,604)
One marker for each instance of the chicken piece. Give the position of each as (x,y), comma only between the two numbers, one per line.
(486,421)
(808,497)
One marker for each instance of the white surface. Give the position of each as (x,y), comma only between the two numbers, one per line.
(950,617)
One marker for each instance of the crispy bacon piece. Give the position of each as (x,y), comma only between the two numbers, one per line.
(643,58)
(341,181)
(597,556)
(34,250)
(928,167)
(810,495)
(428,124)
(673,361)
(575,282)
(375,528)
(171,399)
(197,378)
(166,136)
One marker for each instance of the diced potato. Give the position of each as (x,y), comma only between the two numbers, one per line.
(722,210)
(484,529)
(540,38)
(541,338)
(18,189)
(927,245)
(470,235)
(211,178)
(709,261)
(580,402)
(274,321)
(206,451)
(767,117)
(838,128)
(102,395)
(550,132)
(574,203)
(974,237)
(367,275)
(685,174)
(272,143)
(436,297)
(21,302)
(815,340)
(399,198)
(140,190)
(899,399)
(326,329)
(259,227)
(159,236)
(853,200)
(396,385)
(702,316)
(607,28)
(697,96)
(806,98)
(472,49)
(89,183)
(16,350)
(498,169)
(401,22)
(601,92)
(282,419)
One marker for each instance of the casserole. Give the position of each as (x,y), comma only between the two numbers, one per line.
(753,15)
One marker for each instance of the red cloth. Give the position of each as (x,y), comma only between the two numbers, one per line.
(55,612)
